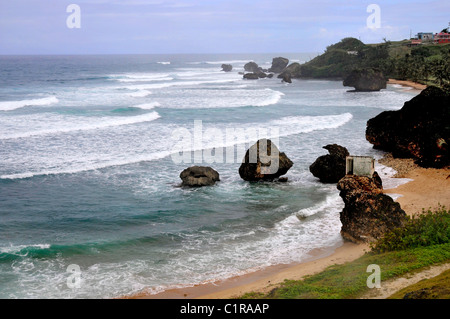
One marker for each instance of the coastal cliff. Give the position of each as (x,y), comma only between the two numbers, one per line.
(419,130)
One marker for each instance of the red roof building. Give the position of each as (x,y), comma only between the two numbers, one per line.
(440,38)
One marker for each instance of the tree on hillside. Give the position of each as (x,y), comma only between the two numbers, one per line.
(440,69)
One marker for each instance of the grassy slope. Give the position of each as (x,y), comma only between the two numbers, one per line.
(423,241)
(349,281)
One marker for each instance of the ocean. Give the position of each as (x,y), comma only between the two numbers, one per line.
(90,203)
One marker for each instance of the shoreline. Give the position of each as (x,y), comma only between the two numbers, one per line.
(265,279)
(427,188)
(405,83)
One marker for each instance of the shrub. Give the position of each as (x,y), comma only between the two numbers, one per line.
(426,229)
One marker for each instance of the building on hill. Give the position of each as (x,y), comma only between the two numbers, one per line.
(422,38)
(425,36)
(441,38)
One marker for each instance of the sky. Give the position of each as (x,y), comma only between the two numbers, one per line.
(208,26)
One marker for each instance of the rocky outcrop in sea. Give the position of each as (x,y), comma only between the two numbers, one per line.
(330,168)
(419,130)
(227,67)
(197,176)
(368,213)
(278,64)
(293,71)
(366,80)
(252,67)
(264,162)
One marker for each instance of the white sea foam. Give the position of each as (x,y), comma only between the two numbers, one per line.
(12,249)
(219,98)
(227,62)
(180,83)
(147,106)
(141,77)
(146,80)
(305,124)
(386,174)
(60,125)
(332,202)
(12,105)
(86,167)
(140,93)
(165,63)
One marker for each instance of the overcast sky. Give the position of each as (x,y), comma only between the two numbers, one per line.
(207,26)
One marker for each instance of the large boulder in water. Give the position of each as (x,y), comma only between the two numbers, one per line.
(227,67)
(366,80)
(419,130)
(293,71)
(287,78)
(264,162)
(197,176)
(278,64)
(330,168)
(368,213)
(252,67)
(251,76)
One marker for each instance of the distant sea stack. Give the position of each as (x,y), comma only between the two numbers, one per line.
(255,71)
(264,162)
(278,64)
(293,71)
(227,67)
(252,67)
(366,80)
(419,130)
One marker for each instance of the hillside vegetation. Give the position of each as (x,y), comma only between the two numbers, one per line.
(428,64)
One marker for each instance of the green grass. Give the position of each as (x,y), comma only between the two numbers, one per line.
(349,281)
(422,242)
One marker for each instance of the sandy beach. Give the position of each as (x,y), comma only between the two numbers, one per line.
(414,85)
(429,188)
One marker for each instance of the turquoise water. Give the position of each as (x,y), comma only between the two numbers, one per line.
(88,176)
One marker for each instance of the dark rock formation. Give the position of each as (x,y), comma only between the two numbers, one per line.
(420,130)
(264,162)
(293,70)
(368,213)
(251,76)
(278,64)
(270,75)
(330,168)
(366,80)
(196,176)
(255,75)
(261,75)
(286,78)
(252,67)
(227,67)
